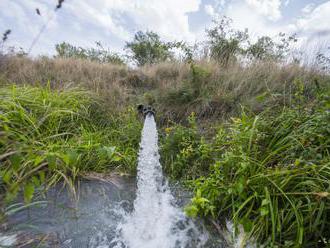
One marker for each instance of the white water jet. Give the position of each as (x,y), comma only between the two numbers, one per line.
(156,221)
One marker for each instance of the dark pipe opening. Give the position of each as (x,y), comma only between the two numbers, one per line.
(145,110)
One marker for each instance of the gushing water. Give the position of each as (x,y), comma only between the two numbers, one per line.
(156,221)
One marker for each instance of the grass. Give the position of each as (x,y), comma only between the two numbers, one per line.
(251,141)
(269,173)
(49,136)
(210,90)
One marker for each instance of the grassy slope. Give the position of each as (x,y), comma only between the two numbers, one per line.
(208,89)
(268,168)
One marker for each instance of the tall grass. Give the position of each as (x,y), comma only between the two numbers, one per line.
(47,136)
(209,89)
(269,173)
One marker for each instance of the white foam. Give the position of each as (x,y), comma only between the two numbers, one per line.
(7,240)
(156,221)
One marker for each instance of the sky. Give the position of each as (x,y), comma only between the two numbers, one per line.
(113,22)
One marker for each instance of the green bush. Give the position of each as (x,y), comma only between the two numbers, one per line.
(272,176)
(185,153)
(47,136)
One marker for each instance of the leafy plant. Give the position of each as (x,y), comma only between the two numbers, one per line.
(270,48)
(185,153)
(225,42)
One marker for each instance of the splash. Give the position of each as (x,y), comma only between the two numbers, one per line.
(156,221)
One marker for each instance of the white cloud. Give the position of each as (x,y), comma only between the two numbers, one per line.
(220,3)
(82,21)
(315,22)
(168,18)
(268,8)
(243,17)
(209,10)
(308,8)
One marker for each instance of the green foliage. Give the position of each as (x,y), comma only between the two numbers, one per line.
(194,89)
(262,48)
(323,60)
(47,136)
(268,173)
(98,54)
(267,48)
(272,176)
(185,153)
(225,42)
(147,48)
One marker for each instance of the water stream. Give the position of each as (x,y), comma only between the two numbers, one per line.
(156,221)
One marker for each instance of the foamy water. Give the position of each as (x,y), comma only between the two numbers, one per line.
(156,221)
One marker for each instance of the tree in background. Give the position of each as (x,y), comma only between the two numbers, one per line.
(262,48)
(271,48)
(4,39)
(225,43)
(98,54)
(148,48)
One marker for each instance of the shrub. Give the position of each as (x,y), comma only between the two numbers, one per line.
(225,43)
(272,176)
(185,153)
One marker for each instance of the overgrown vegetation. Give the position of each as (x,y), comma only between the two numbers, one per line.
(228,45)
(245,124)
(269,173)
(49,136)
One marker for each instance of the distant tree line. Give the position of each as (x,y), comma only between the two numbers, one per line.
(98,54)
(223,44)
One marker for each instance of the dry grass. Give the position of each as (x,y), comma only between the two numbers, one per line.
(211,91)
(108,80)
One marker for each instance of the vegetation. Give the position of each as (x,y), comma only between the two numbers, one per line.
(147,48)
(227,44)
(269,173)
(49,136)
(241,123)
(212,91)
(98,54)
